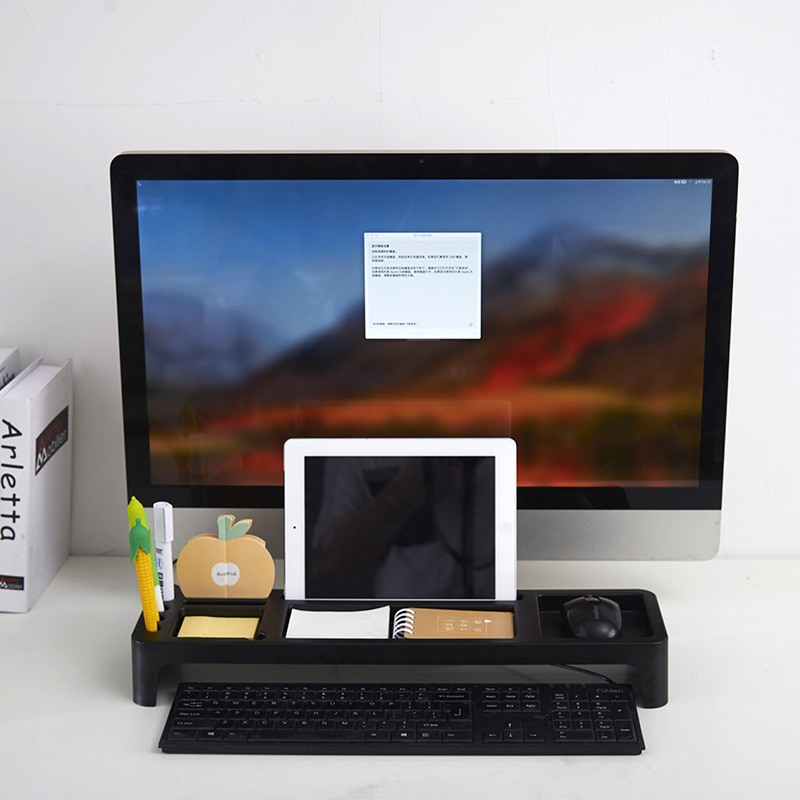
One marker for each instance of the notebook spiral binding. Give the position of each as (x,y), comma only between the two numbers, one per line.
(403,623)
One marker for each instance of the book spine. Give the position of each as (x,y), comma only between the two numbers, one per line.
(16,469)
(35,481)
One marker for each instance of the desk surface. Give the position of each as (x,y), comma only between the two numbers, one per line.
(729,729)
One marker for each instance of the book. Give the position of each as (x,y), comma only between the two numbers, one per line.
(35,481)
(9,365)
(448,623)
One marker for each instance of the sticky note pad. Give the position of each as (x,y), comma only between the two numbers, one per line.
(219,627)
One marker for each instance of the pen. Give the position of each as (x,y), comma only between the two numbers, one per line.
(136,514)
(139,538)
(163,533)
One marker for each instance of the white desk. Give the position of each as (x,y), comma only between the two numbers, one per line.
(730,729)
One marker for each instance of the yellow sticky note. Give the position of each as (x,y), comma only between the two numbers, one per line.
(219,627)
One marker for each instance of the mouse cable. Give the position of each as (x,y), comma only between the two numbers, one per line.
(586,672)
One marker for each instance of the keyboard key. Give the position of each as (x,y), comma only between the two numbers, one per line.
(317,735)
(575,736)
(457,736)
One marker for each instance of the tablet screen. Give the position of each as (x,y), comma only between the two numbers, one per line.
(401,526)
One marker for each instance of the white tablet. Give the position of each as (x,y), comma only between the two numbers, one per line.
(401,519)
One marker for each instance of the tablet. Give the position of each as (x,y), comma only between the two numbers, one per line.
(401,519)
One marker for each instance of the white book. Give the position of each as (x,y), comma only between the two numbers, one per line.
(35,481)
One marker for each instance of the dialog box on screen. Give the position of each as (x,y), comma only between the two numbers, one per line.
(422,285)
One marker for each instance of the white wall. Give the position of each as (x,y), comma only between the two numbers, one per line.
(83,81)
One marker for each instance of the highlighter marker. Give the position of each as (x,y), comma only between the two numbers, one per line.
(163,536)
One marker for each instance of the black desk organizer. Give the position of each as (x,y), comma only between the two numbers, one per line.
(541,639)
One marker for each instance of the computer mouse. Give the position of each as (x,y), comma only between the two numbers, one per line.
(593,617)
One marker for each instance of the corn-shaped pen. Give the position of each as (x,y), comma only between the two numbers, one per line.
(136,514)
(140,555)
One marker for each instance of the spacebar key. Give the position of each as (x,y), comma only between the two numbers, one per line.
(295,735)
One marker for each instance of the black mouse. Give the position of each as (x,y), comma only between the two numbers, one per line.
(592,617)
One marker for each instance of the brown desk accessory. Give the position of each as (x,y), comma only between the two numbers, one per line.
(231,565)
(448,623)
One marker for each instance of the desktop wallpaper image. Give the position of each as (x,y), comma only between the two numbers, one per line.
(593,299)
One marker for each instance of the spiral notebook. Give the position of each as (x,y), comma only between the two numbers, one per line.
(448,623)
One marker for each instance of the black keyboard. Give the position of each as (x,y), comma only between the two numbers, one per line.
(452,719)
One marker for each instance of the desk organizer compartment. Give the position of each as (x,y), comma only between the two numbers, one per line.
(470,616)
(635,616)
(173,622)
(540,639)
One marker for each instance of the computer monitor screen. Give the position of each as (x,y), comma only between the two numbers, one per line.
(576,302)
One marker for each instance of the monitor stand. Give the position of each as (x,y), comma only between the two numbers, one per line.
(541,638)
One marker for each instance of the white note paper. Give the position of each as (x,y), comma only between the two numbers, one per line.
(373,623)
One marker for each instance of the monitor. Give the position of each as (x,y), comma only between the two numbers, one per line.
(579,303)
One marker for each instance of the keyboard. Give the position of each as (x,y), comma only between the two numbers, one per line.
(393,719)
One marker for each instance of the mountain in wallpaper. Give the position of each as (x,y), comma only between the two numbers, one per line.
(591,357)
